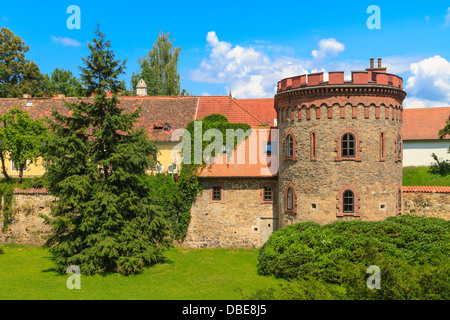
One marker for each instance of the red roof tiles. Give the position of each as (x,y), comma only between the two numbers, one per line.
(30,191)
(252,172)
(263,109)
(247,160)
(175,111)
(436,189)
(424,123)
(228,107)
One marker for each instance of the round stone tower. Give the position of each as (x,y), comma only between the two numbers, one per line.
(340,151)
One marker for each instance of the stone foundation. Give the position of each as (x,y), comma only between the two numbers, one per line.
(27,227)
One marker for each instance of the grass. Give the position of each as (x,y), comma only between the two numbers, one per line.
(420,176)
(27,272)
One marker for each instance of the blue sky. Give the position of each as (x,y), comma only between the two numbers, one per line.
(249,45)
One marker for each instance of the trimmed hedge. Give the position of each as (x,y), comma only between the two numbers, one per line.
(412,253)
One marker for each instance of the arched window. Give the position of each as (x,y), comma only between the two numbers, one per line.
(348,146)
(348,201)
(289,146)
(290,199)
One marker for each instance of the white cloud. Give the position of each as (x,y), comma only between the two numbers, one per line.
(328,48)
(414,103)
(249,70)
(66,41)
(430,80)
(447,18)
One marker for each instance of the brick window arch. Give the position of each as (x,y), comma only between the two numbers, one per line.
(348,146)
(348,202)
(290,146)
(290,199)
(399,147)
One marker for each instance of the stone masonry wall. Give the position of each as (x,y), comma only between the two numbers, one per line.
(228,224)
(427,204)
(239,220)
(27,227)
(318,182)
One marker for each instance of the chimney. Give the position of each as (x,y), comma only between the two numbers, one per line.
(27,96)
(141,88)
(372,67)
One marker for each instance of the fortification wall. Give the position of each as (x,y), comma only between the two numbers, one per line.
(215,225)
(239,220)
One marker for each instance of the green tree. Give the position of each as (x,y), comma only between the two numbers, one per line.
(159,69)
(445,131)
(103,220)
(22,137)
(17,75)
(63,82)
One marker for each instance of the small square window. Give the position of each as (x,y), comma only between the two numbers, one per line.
(314,206)
(216,193)
(268,193)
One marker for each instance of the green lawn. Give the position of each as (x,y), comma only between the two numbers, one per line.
(420,176)
(28,273)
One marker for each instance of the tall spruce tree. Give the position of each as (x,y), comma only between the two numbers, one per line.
(103,220)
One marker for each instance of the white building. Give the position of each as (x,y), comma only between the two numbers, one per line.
(421,135)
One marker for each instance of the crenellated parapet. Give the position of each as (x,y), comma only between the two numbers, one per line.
(337,78)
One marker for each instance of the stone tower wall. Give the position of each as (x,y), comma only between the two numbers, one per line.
(317,115)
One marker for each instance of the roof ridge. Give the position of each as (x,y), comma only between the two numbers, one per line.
(233,100)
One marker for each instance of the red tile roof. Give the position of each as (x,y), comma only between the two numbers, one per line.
(230,108)
(424,123)
(175,111)
(263,109)
(31,191)
(436,189)
(253,173)
(241,165)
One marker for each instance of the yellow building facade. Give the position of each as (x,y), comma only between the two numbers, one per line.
(168,162)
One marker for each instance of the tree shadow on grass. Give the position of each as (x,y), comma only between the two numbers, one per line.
(162,261)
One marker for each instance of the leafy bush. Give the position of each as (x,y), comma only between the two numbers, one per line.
(2,250)
(412,253)
(175,198)
(441,167)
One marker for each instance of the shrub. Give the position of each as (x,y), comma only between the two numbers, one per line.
(412,253)
(2,250)
(441,167)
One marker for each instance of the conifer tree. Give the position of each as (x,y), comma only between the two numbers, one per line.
(103,220)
